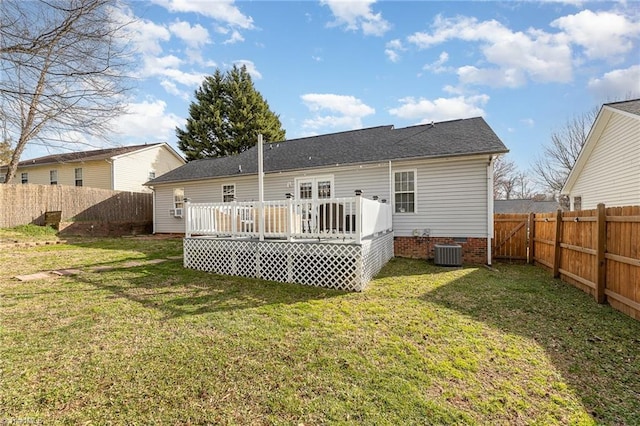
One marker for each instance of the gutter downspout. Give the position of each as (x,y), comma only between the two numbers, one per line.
(113,173)
(391,188)
(489,207)
(154,209)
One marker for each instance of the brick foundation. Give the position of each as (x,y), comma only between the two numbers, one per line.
(474,250)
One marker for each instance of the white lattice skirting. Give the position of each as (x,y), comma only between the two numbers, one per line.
(343,266)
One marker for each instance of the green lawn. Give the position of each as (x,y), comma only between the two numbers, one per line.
(153,343)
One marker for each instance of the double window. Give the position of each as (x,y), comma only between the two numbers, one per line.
(404,184)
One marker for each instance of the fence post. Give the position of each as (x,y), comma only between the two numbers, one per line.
(557,253)
(601,247)
(532,233)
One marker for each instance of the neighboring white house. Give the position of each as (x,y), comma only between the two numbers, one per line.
(608,167)
(437,177)
(125,168)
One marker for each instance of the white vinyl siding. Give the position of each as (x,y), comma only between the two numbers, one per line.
(132,170)
(451,193)
(452,199)
(611,174)
(165,222)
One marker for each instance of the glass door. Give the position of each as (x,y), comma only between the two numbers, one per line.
(312,190)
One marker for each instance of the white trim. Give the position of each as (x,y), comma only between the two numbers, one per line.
(152,146)
(415,191)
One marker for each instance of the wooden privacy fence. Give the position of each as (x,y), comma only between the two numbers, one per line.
(597,250)
(24,204)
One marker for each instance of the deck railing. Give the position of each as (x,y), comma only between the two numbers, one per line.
(351,218)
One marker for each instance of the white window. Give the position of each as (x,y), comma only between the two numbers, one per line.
(178,198)
(577,203)
(404,184)
(78,173)
(228,193)
(24,177)
(53,177)
(152,175)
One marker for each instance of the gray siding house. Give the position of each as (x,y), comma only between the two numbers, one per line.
(437,179)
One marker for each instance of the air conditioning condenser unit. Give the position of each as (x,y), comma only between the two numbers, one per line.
(448,255)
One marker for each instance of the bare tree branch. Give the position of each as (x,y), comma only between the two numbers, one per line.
(551,170)
(64,65)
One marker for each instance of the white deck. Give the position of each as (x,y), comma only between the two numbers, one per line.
(335,243)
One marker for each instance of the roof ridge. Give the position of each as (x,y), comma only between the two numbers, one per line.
(75,155)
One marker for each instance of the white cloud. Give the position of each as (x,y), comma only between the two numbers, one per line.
(251,68)
(345,112)
(146,35)
(393,49)
(148,121)
(494,77)
(171,88)
(168,67)
(236,37)
(617,84)
(221,10)
(438,66)
(535,54)
(601,34)
(357,15)
(529,122)
(194,36)
(440,109)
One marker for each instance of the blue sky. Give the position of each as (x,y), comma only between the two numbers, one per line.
(328,66)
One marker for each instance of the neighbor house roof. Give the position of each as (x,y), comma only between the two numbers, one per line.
(524,206)
(445,139)
(632,106)
(629,108)
(81,156)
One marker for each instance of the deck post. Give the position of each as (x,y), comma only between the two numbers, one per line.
(289,224)
(358,216)
(188,222)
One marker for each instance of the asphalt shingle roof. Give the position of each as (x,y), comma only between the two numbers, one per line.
(444,139)
(73,157)
(524,206)
(632,106)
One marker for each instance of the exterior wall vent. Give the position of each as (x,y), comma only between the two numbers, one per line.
(448,255)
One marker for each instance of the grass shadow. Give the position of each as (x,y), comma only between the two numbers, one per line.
(177,292)
(594,347)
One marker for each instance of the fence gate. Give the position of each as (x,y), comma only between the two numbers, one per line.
(510,236)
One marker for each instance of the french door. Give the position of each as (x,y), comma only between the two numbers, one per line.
(312,190)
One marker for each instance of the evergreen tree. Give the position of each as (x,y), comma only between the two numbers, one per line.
(227,116)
